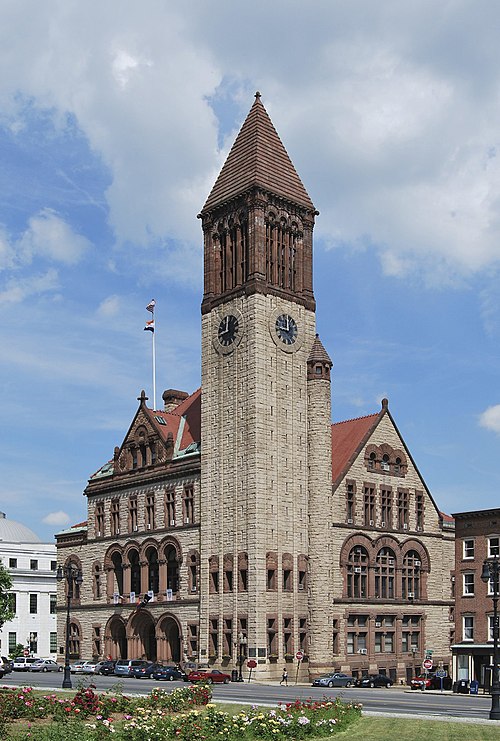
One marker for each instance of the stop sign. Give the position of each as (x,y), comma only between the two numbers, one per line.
(427,664)
(251,663)
(299,655)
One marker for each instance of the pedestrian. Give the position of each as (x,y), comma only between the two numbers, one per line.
(284,677)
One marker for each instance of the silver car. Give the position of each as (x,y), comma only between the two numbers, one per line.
(335,679)
(45,665)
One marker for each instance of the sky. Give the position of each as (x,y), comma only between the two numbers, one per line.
(115,119)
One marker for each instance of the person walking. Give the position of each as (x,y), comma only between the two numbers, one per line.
(284,677)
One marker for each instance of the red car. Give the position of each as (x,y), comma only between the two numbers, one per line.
(210,677)
(419,683)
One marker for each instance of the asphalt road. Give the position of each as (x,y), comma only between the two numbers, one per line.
(397,700)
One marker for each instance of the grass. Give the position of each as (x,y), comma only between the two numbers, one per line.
(413,729)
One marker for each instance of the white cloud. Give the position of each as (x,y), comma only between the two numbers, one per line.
(50,237)
(490,418)
(110,307)
(17,290)
(56,518)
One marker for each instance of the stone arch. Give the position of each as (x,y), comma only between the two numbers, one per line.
(141,636)
(387,541)
(412,544)
(169,639)
(171,557)
(115,638)
(73,562)
(350,542)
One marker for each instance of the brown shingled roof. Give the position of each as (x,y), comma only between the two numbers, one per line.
(318,353)
(258,158)
(346,440)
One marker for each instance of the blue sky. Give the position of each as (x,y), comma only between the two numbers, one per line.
(115,119)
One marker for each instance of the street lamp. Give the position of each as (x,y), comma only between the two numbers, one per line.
(243,642)
(73,576)
(489,574)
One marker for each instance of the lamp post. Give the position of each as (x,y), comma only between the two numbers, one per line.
(490,574)
(243,642)
(73,577)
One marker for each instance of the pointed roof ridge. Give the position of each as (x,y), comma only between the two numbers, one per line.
(258,158)
(356,419)
(318,353)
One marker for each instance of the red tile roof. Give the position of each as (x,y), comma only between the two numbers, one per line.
(347,438)
(258,159)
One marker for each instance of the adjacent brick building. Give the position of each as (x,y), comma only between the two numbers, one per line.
(254,524)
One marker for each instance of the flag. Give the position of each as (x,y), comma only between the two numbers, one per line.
(151,306)
(150,326)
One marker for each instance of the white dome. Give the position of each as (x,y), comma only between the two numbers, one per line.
(13,532)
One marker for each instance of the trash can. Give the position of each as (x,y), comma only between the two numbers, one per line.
(463,687)
(234,675)
(474,687)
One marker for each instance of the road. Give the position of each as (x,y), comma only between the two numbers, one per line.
(397,700)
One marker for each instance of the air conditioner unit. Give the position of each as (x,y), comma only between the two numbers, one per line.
(99,534)
(390,562)
(148,526)
(419,528)
(378,625)
(135,528)
(362,651)
(187,520)
(117,531)
(418,563)
(371,523)
(411,595)
(172,523)
(382,524)
(357,569)
(350,521)
(405,526)
(193,589)
(301,587)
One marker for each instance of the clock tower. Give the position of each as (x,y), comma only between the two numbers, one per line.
(258,331)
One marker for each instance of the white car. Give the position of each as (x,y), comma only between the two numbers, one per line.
(22,663)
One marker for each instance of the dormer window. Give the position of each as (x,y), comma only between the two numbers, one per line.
(384,465)
(371,462)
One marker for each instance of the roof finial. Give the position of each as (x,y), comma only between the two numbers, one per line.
(142,398)
(385,403)
(257,95)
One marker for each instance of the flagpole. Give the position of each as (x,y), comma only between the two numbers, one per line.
(150,326)
(154,366)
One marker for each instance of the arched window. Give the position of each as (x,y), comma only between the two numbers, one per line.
(385,571)
(116,560)
(357,572)
(153,570)
(412,567)
(135,571)
(172,569)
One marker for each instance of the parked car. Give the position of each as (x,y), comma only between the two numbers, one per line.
(335,679)
(78,667)
(374,680)
(89,667)
(210,677)
(145,672)
(430,682)
(6,665)
(105,667)
(45,665)
(124,667)
(22,663)
(168,673)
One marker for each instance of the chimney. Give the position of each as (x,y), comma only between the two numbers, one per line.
(172,399)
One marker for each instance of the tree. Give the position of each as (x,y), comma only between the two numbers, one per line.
(6,611)
(18,651)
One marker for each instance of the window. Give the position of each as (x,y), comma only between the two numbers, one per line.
(287,561)
(369,506)
(33,604)
(350,501)
(12,563)
(53,565)
(272,646)
(385,571)
(468,548)
(150,512)
(288,636)
(410,576)
(272,568)
(357,572)
(12,642)
(228,637)
(384,464)
(468,585)
(357,634)
(133,520)
(115,517)
(188,504)
(302,572)
(33,642)
(192,639)
(53,604)
(419,510)
(13,602)
(34,564)
(213,648)
(213,565)
(99,519)
(410,634)
(491,626)
(335,636)
(242,572)
(170,507)
(384,634)
(403,496)
(468,628)
(228,573)
(96,574)
(74,641)
(386,508)
(193,572)
(493,546)
(303,634)
(96,640)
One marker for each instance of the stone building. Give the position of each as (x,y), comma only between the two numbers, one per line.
(477,540)
(254,526)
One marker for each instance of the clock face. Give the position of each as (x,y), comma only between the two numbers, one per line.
(286,329)
(228,330)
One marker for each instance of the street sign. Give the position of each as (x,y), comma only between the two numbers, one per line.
(441,673)
(299,655)
(427,664)
(251,663)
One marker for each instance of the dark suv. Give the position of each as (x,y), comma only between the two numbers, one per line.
(106,667)
(374,680)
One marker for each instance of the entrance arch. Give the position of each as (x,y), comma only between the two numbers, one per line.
(169,639)
(115,640)
(142,637)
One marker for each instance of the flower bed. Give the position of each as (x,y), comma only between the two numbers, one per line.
(162,716)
